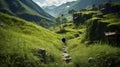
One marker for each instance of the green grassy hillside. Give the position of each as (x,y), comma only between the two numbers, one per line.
(86,40)
(20,41)
(27,10)
(103,54)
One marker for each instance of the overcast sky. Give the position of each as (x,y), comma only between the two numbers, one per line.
(51,2)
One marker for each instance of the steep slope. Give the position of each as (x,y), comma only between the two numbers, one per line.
(82,4)
(25,9)
(20,41)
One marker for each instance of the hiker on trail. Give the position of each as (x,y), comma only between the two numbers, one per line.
(64,40)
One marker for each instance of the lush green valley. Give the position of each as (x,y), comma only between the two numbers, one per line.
(92,39)
(86,37)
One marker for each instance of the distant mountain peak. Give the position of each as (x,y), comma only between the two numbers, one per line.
(57,10)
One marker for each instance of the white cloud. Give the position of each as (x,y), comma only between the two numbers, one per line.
(52,2)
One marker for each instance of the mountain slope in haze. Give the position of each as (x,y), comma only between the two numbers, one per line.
(50,9)
(20,41)
(82,4)
(25,9)
(58,10)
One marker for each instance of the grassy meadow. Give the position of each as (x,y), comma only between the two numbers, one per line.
(21,40)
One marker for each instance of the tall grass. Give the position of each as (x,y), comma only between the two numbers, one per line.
(103,54)
(20,41)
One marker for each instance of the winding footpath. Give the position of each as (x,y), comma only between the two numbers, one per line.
(66,57)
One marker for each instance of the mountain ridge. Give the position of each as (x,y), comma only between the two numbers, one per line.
(25,9)
(82,4)
(58,10)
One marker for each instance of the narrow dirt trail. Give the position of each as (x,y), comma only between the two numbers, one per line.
(65,56)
